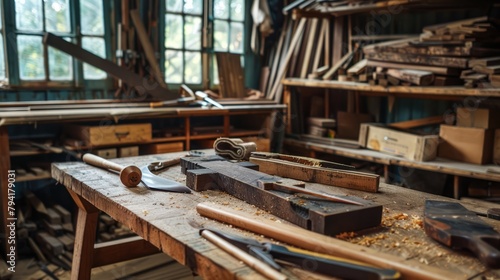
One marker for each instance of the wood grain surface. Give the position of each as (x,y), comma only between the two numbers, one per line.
(164,219)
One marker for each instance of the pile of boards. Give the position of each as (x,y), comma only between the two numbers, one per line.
(465,52)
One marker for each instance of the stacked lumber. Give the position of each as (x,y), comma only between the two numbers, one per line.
(46,233)
(464,52)
(321,126)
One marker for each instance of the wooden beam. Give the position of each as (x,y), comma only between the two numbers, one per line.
(328,176)
(120,250)
(147,47)
(336,66)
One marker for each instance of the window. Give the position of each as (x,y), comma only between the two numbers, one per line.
(188,50)
(35,62)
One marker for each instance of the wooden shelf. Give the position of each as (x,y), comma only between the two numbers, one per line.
(439,165)
(396,90)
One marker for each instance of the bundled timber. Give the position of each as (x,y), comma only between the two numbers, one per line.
(455,53)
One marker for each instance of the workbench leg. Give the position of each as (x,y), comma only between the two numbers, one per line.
(387,174)
(84,238)
(456,187)
(4,185)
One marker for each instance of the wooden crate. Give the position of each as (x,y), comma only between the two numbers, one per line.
(110,134)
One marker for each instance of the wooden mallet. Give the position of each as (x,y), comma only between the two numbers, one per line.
(130,175)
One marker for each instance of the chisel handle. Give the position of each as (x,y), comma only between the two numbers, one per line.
(130,175)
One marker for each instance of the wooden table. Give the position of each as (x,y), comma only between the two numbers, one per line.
(166,220)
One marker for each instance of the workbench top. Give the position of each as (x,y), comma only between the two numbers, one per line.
(166,220)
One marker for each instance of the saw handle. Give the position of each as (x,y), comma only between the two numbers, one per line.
(130,175)
(485,247)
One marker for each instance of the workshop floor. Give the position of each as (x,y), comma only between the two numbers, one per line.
(154,267)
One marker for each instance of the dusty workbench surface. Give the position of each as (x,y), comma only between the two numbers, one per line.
(166,220)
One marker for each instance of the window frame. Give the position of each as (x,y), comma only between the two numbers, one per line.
(12,62)
(207,49)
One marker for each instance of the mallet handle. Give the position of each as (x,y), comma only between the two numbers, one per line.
(101,162)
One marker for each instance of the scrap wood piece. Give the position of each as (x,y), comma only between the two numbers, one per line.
(357,68)
(487,69)
(487,61)
(418,77)
(303,170)
(337,65)
(443,61)
(434,69)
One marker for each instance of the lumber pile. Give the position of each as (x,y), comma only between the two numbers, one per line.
(46,233)
(464,52)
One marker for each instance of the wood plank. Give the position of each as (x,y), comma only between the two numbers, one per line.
(441,61)
(338,178)
(311,42)
(487,69)
(489,61)
(328,75)
(417,77)
(433,69)
(281,72)
(119,250)
(357,68)
(418,122)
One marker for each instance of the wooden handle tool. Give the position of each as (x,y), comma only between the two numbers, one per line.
(130,175)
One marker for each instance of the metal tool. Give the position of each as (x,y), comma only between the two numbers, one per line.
(271,254)
(453,225)
(203,96)
(234,148)
(132,175)
(270,185)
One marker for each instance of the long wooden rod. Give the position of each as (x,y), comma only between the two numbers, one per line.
(296,236)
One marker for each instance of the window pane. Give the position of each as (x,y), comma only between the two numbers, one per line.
(92,19)
(174,5)
(221,29)
(221,9)
(60,65)
(1,13)
(173,36)
(97,47)
(236,40)
(29,15)
(238,10)
(57,16)
(192,33)
(173,67)
(193,7)
(30,52)
(2,60)
(192,74)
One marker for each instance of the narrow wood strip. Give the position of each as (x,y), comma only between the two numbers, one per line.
(119,250)
(418,122)
(332,177)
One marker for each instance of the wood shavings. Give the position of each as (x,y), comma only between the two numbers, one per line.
(346,235)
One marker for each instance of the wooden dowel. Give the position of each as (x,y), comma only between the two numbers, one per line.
(296,236)
(241,255)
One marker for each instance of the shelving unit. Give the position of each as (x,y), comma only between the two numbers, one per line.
(258,114)
(456,169)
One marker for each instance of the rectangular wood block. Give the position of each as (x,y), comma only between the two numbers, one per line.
(110,134)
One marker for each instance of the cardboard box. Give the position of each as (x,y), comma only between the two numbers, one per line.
(496,147)
(466,144)
(400,143)
(110,134)
(478,117)
(348,124)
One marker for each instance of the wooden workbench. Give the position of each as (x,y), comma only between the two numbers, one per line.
(165,220)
